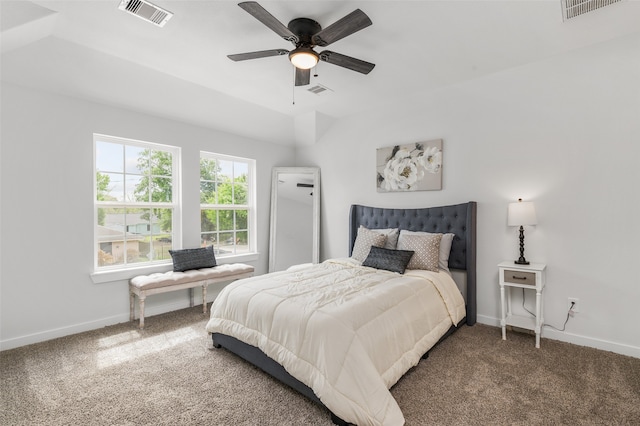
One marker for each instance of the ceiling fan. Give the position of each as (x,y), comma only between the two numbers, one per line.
(305,34)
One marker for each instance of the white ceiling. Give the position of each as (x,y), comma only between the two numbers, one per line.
(92,50)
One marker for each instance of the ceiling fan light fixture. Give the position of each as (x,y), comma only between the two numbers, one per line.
(303,58)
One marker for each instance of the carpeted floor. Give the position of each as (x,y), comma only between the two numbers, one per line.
(167,375)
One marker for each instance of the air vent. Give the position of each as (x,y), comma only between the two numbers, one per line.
(147,11)
(574,8)
(319,89)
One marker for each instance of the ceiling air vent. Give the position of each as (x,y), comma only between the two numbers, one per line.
(574,8)
(319,89)
(147,11)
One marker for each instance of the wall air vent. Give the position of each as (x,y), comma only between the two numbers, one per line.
(147,11)
(574,8)
(319,89)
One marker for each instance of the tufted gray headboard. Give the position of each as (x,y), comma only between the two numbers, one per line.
(459,219)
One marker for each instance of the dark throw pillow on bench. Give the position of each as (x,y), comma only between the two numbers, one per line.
(186,259)
(389,260)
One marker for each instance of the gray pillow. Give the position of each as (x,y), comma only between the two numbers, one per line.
(364,240)
(197,258)
(387,259)
(392,237)
(445,251)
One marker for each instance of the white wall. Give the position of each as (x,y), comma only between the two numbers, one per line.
(564,133)
(47,209)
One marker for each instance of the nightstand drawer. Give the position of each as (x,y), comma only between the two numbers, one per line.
(519,277)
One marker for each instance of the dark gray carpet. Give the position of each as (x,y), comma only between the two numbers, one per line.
(167,375)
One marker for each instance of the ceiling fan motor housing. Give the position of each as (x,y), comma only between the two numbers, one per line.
(304,28)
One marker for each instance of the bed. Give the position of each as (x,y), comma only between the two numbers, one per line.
(308,327)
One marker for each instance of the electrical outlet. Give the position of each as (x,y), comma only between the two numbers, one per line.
(576,306)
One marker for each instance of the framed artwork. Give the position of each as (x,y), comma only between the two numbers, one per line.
(410,167)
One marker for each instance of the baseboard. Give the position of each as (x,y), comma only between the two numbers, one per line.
(576,339)
(55,333)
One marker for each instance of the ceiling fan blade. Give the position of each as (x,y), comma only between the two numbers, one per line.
(261,14)
(353,22)
(347,62)
(302,77)
(257,55)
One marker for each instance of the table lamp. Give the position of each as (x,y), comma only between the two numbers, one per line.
(520,214)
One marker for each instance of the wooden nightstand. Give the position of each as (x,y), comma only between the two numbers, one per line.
(531,277)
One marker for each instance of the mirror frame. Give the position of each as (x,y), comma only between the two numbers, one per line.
(315,172)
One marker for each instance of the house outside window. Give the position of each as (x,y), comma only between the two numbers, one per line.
(136,202)
(227,204)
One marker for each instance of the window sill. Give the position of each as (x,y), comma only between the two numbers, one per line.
(126,274)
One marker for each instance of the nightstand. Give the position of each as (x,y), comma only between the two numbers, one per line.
(529,277)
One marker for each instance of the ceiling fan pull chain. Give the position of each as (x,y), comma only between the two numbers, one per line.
(293,87)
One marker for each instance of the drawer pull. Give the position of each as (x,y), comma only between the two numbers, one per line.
(515,277)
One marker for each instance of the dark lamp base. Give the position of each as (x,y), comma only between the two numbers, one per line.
(521,262)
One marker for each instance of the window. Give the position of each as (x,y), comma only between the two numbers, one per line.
(227,205)
(136,202)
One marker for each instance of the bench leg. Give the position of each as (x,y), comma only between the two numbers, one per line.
(191,297)
(132,306)
(141,299)
(204,299)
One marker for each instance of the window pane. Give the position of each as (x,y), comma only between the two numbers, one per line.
(242,242)
(114,189)
(161,190)
(208,168)
(136,188)
(240,193)
(225,193)
(161,223)
(208,192)
(241,219)
(105,255)
(225,170)
(225,220)
(240,171)
(161,163)
(136,160)
(227,241)
(208,220)
(109,157)
(111,237)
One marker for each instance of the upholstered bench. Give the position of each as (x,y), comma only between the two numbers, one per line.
(147,285)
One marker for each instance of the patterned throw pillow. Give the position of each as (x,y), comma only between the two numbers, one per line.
(198,258)
(364,240)
(387,259)
(426,247)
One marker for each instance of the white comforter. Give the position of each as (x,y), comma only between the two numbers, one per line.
(348,332)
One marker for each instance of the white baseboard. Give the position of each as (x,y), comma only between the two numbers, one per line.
(576,339)
(93,325)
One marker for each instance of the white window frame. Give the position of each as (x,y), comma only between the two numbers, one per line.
(125,271)
(252,227)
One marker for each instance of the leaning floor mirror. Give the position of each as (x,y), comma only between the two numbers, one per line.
(295,217)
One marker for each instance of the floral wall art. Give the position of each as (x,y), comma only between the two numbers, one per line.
(411,167)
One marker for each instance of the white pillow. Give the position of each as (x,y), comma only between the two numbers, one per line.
(364,240)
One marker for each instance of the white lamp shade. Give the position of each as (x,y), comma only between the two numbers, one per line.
(521,213)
